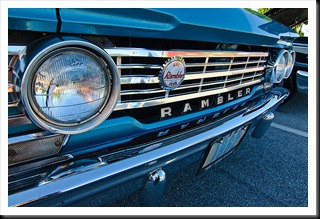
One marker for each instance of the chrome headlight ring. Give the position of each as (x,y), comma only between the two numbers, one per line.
(290,63)
(49,81)
(279,67)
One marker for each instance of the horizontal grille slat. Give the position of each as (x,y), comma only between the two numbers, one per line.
(148,66)
(140,52)
(142,66)
(223,63)
(140,79)
(212,74)
(146,103)
(149,91)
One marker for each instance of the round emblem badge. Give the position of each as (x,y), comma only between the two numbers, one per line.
(172,73)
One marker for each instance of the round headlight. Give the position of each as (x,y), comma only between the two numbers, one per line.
(280,67)
(290,63)
(70,88)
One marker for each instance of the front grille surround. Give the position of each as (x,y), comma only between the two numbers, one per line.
(207,73)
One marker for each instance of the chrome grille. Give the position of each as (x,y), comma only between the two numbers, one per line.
(12,81)
(208,73)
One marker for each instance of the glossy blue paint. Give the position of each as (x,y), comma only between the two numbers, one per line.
(226,25)
(32,19)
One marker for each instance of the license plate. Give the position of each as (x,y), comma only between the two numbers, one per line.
(221,147)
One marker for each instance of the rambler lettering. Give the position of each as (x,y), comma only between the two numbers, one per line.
(170,75)
(205,103)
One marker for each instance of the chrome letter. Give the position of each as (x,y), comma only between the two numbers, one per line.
(165,112)
(229,97)
(220,100)
(204,103)
(187,108)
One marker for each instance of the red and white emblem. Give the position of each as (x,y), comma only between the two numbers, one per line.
(172,74)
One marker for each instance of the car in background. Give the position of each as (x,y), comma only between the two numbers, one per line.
(298,80)
(300,69)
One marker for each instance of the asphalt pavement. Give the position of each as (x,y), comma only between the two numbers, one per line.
(268,172)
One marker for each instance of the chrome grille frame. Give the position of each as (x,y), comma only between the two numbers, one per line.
(250,73)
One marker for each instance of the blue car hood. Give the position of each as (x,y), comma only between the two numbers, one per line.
(227,25)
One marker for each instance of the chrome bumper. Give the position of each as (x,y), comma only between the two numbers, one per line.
(55,189)
(302,81)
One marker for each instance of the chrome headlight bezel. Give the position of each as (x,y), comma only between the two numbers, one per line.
(279,66)
(39,58)
(290,63)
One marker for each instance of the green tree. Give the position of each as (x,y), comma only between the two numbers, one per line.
(297,28)
(263,10)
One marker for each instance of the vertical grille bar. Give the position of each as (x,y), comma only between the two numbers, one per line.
(230,65)
(245,67)
(119,61)
(255,73)
(204,71)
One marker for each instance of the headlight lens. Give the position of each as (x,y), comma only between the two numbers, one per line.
(290,63)
(280,67)
(70,86)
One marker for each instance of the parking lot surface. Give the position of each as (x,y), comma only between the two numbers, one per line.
(268,172)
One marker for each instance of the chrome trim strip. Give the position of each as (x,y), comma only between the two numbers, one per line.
(13,104)
(139,104)
(140,52)
(188,76)
(300,44)
(143,66)
(302,73)
(68,183)
(31,137)
(42,163)
(139,80)
(16,50)
(282,42)
(301,49)
(18,120)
